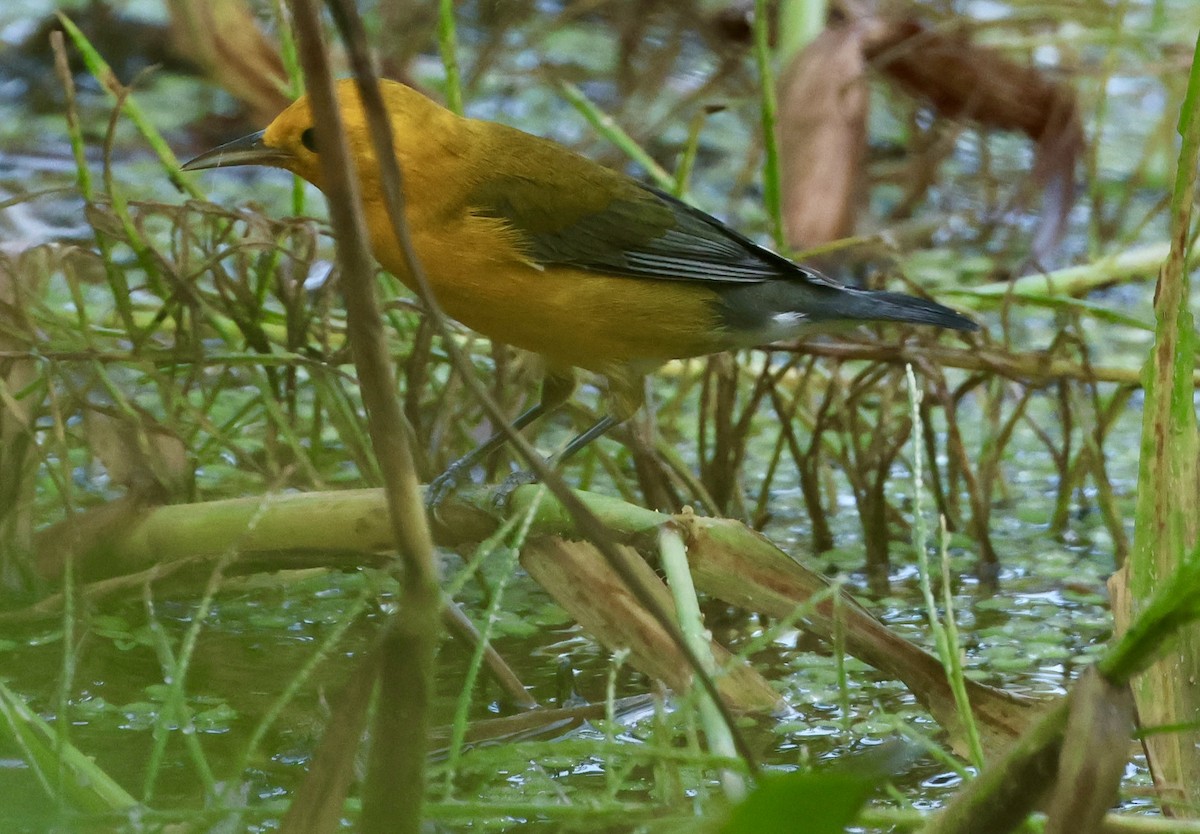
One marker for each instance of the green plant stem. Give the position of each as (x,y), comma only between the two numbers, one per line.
(118,285)
(62,723)
(291,65)
(945,639)
(1165,522)
(772,188)
(691,622)
(448,46)
(610,130)
(491,614)
(175,710)
(89,789)
(687,159)
(103,73)
(1141,262)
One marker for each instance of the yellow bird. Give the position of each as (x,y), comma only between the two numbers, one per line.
(533,245)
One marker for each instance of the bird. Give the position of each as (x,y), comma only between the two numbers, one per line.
(533,245)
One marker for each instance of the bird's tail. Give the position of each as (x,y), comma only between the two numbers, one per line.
(867,305)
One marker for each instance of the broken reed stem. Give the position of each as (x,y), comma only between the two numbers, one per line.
(673,551)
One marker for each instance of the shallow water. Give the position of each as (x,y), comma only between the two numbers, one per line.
(1047,621)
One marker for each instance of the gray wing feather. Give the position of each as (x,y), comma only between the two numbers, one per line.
(643,233)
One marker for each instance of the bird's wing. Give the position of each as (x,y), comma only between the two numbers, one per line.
(610,223)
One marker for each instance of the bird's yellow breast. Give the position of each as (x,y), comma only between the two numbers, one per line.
(571,316)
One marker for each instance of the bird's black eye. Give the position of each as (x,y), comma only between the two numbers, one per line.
(309,139)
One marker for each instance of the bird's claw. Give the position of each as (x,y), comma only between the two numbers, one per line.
(442,487)
(508,486)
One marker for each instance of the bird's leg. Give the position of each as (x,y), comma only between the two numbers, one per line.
(585,437)
(626,393)
(556,387)
(445,483)
(524,476)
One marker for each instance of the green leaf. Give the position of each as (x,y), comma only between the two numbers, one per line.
(816,803)
(64,771)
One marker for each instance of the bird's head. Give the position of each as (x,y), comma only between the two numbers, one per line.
(290,141)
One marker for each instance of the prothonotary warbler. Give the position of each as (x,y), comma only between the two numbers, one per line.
(533,245)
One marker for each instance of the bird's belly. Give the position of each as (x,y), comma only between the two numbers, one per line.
(570,316)
(584,319)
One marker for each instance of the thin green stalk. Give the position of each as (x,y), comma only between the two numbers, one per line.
(1138,262)
(769,635)
(839,660)
(772,190)
(933,749)
(175,668)
(485,549)
(448,46)
(610,714)
(56,451)
(62,723)
(89,790)
(953,656)
(668,784)
(614,133)
(118,285)
(947,645)
(287,49)
(458,731)
(104,74)
(344,415)
(1100,116)
(143,251)
(173,710)
(83,320)
(687,159)
(291,65)
(286,428)
(302,678)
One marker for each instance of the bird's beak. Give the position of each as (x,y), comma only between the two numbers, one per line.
(249,150)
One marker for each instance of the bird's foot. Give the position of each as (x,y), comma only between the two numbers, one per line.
(444,485)
(509,485)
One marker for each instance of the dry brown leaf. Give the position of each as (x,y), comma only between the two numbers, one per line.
(224,40)
(822,130)
(961,79)
(139,453)
(1096,746)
